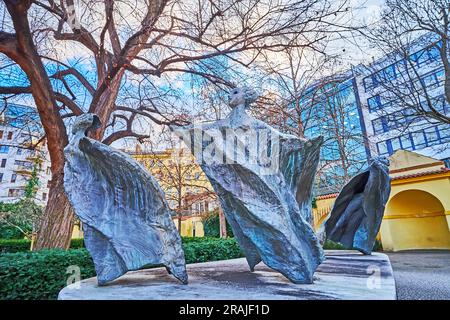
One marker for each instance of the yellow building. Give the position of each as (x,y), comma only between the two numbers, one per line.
(185,185)
(417,213)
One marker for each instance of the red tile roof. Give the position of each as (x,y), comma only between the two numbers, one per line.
(327,196)
(421,174)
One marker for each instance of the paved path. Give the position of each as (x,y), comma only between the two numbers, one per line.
(343,275)
(421,274)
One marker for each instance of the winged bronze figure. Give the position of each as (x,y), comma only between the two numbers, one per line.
(126,220)
(358,210)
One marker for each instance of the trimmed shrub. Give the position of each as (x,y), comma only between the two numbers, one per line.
(211,250)
(23,245)
(77,243)
(9,232)
(42,274)
(211,226)
(331,245)
(16,245)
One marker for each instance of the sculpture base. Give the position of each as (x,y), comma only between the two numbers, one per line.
(344,275)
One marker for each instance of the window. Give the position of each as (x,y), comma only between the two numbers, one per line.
(390,73)
(13,177)
(420,58)
(44,196)
(4,149)
(378,126)
(374,103)
(444,132)
(433,52)
(395,143)
(406,142)
(382,148)
(418,139)
(1,134)
(3,163)
(19,151)
(25,164)
(370,82)
(430,80)
(10,135)
(49,170)
(1,177)
(431,136)
(15,193)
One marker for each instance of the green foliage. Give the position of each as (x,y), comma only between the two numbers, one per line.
(20,216)
(314,203)
(211,226)
(23,245)
(77,243)
(42,274)
(9,232)
(33,182)
(331,245)
(211,250)
(378,246)
(14,245)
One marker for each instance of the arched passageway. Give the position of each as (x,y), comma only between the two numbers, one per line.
(415,219)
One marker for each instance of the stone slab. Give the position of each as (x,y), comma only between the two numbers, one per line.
(345,275)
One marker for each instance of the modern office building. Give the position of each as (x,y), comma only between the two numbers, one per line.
(22,152)
(390,90)
(332,110)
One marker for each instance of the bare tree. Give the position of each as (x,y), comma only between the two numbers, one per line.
(307,96)
(286,82)
(181,178)
(154,41)
(412,35)
(335,116)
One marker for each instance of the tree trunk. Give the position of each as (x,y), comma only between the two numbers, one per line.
(55,230)
(179,222)
(222,224)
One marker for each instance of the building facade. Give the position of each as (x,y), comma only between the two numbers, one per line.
(332,110)
(21,153)
(417,214)
(186,187)
(392,89)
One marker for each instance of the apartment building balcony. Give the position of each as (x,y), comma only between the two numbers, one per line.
(23,169)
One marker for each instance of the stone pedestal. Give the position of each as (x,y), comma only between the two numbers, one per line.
(343,275)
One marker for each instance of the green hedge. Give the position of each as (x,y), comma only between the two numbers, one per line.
(211,249)
(17,245)
(42,274)
(23,245)
(211,226)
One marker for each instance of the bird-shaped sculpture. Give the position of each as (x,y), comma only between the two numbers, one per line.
(126,220)
(263,179)
(358,210)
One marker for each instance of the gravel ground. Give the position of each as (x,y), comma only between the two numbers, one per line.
(421,274)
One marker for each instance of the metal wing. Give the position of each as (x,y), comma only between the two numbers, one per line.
(126,219)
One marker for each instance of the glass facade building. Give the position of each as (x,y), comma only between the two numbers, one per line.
(333,112)
(392,121)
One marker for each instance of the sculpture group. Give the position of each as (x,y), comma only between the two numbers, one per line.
(263,178)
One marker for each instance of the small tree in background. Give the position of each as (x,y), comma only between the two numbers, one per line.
(211,225)
(19,219)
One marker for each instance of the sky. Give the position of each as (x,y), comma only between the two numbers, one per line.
(351,54)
